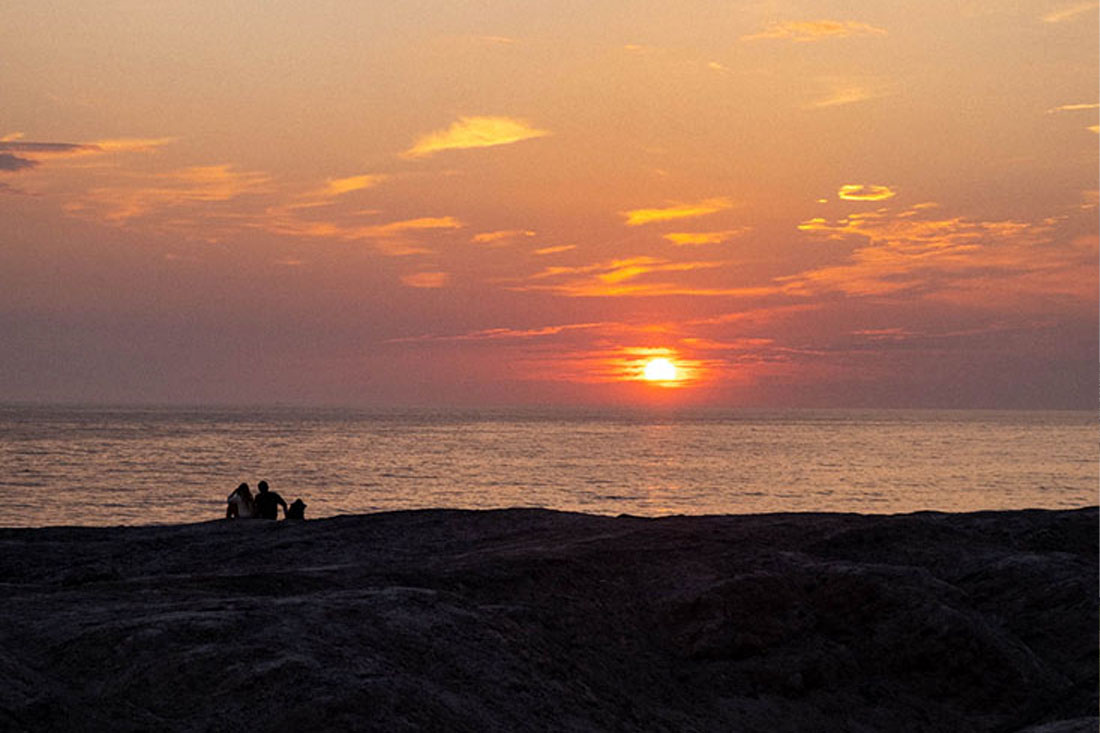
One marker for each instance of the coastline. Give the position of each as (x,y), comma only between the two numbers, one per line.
(529,619)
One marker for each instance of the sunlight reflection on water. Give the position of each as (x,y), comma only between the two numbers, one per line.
(125,466)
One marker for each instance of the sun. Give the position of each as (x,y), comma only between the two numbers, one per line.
(659,370)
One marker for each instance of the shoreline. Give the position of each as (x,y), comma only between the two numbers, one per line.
(215,520)
(534,619)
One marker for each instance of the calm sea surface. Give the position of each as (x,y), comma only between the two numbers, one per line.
(99,466)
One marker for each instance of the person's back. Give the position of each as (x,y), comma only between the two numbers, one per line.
(268,503)
(240,504)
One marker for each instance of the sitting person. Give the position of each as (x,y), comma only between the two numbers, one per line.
(240,503)
(297,510)
(268,503)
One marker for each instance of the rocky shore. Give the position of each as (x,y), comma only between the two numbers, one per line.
(533,620)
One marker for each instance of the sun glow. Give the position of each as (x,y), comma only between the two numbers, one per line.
(659,370)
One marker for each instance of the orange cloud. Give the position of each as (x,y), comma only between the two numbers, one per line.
(426,279)
(865,192)
(806,31)
(620,277)
(513,334)
(340,186)
(1073,108)
(391,238)
(1072,11)
(843,92)
(131,144)
(948,258)
(17,154)
(638,217)
(501,235)
(158,191)
(474,132)
(694,238)
(555,250)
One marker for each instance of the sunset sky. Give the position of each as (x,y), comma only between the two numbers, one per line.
(459,202)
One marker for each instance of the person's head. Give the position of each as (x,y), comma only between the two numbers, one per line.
(262,486)
(243,489)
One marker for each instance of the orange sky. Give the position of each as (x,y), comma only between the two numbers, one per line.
(432,203)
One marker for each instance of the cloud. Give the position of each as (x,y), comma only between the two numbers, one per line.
(843,93)
(1072,11)
(17,154)
(12,163)
(696,238)
(12,144)
(474,132)
(418,224)
(947,257)
(129,145)
(340,186)
(391,238)
(816,224)
(429,280)
(806,31)
(1072,107)
(554,250)
(501,235)
(618,277)
(155,192)
(510,334)
(46,149)
(638,217)
(865,192)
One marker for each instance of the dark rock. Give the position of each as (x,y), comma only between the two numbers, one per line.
(538,620)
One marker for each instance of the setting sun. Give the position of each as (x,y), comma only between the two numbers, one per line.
(659,370)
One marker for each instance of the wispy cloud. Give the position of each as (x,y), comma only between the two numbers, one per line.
(945,257)
(807,31)
(393,238)
(555,249)
(619,277)
(865,192)
(682,239)
(1072,11)
(501,236)
(130,144)
(510,334)
(340,186)
(428,280)
(12,163)
(474,132)
(843,92)
(1073,107)
(638,217)
(17,154)
(142,195)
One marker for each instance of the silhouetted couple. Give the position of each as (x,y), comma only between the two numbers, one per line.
(265,505)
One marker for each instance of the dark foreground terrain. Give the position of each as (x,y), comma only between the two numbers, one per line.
(536,620)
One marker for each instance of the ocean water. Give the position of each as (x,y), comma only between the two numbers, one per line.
(109,466)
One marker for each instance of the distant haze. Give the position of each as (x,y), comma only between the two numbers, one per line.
(495,203)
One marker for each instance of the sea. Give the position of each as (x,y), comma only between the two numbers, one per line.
(101,466)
